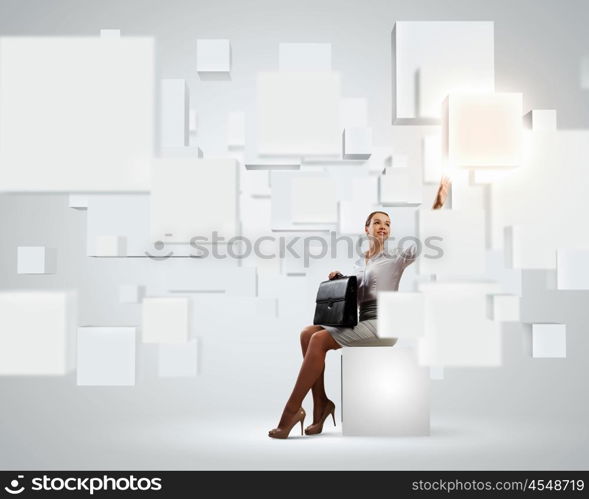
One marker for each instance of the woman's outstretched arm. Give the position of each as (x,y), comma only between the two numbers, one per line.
(442,193)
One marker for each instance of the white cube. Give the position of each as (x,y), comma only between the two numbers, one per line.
(36,260)
(298,113)
(193,197)
(357,143)
(106,356)
(572,267)
(314,200)
(541,119)
(37,332)
(131,293)
(165,320)
(384,392)
(400,315)
(459,236)
(549,340)
(109,245)
(504,307)
(178,360)
(483,130)
(435,58)
(213,56)
(174,113)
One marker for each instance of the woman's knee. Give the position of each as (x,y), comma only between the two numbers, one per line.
(308,332)
(322,341)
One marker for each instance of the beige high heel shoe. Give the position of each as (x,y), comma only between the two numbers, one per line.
(284,432)
(316,428)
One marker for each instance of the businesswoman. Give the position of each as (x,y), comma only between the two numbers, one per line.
(375,266)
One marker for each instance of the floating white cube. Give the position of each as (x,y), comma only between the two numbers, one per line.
(91,101)
(314,200)
(400,315)
(434,58)
(459,236)
(174,112)
(458,332)
(193,198)
(504,307)
(165,320)
(298,113)
(483,130)
(384,392)
(37,332)
(131,293)
(549,341)
(572,268)
(178,360)
(213,55)
(106,356)
(357,143)
(107,245)
(541,119)
(304,56)
(36,260)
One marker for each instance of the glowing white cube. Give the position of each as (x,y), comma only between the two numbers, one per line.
(384,392)
(357,143)
(483,130)
(572,267)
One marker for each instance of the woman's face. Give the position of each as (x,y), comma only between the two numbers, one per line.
(379,226)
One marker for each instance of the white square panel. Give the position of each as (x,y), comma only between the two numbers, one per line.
(357,143)
(86,103)
(434,58)
(400,315)
(193,198)
(165,320)
(298,113)
(483,130)
(37,332)
(106,356)
(572,267)
(549,341)
(36,260)
(213,55)
(459,239)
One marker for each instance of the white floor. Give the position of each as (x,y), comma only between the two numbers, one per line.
(180,443)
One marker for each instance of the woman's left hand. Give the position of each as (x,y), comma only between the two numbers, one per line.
(442,193)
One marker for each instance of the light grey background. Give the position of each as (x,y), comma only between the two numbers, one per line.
(527,414)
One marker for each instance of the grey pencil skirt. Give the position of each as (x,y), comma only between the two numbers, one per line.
(362,334)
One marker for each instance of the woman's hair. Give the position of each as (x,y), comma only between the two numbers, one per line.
(372,214)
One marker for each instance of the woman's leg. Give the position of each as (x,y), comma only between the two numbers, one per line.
(318,389)
(313,364)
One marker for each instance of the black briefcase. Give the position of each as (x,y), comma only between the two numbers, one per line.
(336,303)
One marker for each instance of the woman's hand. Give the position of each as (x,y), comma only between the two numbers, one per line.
(442,193)
(334,274)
